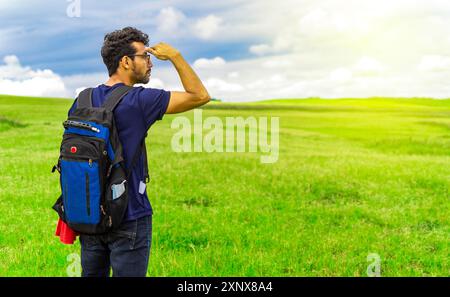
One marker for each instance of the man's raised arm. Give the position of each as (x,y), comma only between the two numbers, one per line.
(196,94)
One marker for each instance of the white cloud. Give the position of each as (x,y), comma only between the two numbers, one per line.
(281,43)
(11,60)
(18,80)
(276,78)
(367,66)
(341,74)
(209,63)
(434,63)
(315,22)
(261,49)
(275,62)
(216,86)
(81,81)
(207,27)
(169,20)
(324,22)
(234,74)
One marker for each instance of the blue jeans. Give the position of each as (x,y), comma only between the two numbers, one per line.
(125,250)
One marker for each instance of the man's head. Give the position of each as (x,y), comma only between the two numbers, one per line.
(124,51)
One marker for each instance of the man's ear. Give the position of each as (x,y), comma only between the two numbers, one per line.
(125,62)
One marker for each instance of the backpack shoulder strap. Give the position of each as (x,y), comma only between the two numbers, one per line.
(142,149)
(110,104)
(114,98)
(85,98)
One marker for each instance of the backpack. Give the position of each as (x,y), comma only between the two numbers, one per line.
(93,174)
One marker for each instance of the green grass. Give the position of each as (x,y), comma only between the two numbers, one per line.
(353,177)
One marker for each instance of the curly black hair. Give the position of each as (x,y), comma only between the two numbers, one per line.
(118,44)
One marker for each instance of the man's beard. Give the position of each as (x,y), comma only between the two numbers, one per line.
(143,80)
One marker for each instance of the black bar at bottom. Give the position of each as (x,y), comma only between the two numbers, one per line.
(229,286)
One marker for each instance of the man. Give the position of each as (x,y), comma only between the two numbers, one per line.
(127,58)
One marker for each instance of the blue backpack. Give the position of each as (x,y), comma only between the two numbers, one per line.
(93,175)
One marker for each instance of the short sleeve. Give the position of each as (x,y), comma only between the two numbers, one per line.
(153,103)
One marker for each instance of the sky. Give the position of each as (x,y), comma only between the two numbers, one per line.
(242,50)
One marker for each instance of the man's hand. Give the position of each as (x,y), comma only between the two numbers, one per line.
(163,51)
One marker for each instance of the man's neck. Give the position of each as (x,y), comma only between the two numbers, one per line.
(117,78)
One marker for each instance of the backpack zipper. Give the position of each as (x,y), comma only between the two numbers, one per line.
(65,198)
(88,197)
(75,135)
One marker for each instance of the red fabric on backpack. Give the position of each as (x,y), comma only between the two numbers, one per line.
(66,235)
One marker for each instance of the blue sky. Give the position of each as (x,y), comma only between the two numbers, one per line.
(44,36)
(242,50)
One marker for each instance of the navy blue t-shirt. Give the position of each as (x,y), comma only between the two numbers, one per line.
(134,115)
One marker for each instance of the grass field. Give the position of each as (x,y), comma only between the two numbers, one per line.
(353,177)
